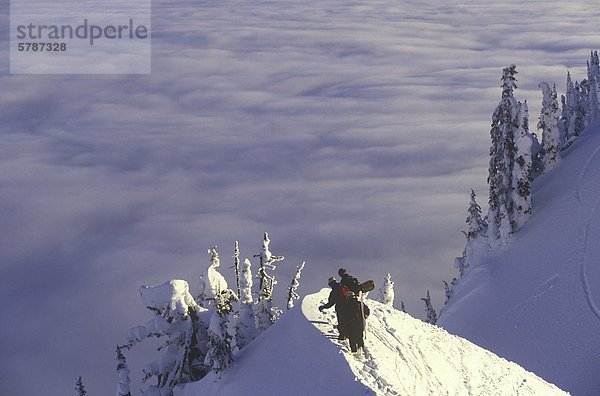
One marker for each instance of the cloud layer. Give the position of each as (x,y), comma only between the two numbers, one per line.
(353,133)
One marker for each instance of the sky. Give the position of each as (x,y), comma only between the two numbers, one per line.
(351,132)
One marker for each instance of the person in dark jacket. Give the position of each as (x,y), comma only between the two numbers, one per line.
(349,281)
(337,298)
(354,318)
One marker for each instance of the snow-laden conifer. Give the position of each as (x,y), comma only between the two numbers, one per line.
(236,266)
(386,292)
(522,169)
(594,87)
(293,289)
(246,283)
(576,109)
(219,356)
(475,235)
(570,104)
(577,106)
(594,101)
(430,311)
(476,225)
(461,263)
(563,122)
(123,381)
(79,388)
(266,313)
(177,321)
(502,157)
(212,283)
(449,289)
(548,124)
(245,328)
(267,262)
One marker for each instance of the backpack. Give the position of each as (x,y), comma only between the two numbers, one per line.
(352,284)
(344,293)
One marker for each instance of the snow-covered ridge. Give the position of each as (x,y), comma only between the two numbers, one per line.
(537,301)
(404,356)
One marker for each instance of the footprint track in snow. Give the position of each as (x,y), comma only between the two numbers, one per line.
(586,235)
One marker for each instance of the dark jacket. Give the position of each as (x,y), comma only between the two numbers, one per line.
(354,319)
(336,297)
(353,315)
(351,283)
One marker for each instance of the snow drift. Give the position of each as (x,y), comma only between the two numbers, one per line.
(300,355)
(537,302)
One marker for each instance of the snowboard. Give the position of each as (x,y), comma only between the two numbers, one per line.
(367,286)
(362,310)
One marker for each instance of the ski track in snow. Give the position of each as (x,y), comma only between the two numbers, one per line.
(586,235)
(584,254)
(404,356)
(582,174)
(521,308)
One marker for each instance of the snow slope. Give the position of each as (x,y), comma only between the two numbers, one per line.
(537,303)
(404,356)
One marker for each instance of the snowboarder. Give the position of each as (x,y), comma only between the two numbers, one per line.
(337,297)
(356,313)
(349,281)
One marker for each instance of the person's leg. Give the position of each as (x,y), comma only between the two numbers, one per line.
(343,331)
(353,335)
(342,326)
(353,344)
(360,342)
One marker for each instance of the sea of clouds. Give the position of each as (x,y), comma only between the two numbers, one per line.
(351,131)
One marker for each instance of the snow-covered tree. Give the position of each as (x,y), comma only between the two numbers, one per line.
(593,103)
(502,157)
(177,321)
(212,283)
(594,66)
(219,356)
(431,314)
(522,169)
(548,123)
(577,105)
(246,283)
(201,297)
(386,292)
(581,102)
(477,226)
(582,108)
(293,289)
(123,381)
(461,264)
(569,104)
(267,261)
(509,81)
(245,328)
(594,87)
(236,266)
(79,388)
(266,313)
(449,289)
(199,339)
